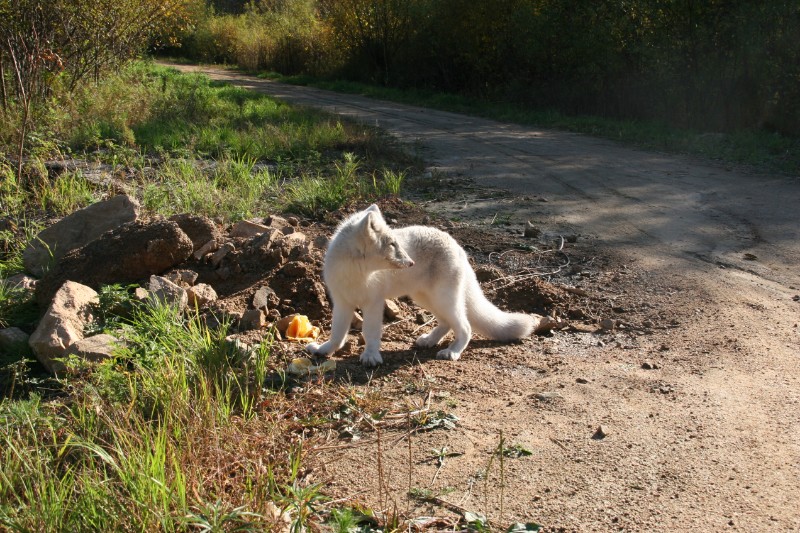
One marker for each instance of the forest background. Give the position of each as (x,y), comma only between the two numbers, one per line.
(712,66)
(717,65)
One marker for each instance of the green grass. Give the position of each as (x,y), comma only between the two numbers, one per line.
(765,151)
(177,431)
(198,146)
(151,440)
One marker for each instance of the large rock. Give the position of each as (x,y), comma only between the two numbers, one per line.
(63,323)
(77,230)
(131,253)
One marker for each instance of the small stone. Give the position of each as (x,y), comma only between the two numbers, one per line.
(600,433)
(391,310)
(252,319)
(246,229)
(608,324)
(276,222)
(141,294)
(647,365)
(265,298)
(201,295)
(531,231)
(267,239)
(209,247)
(422,318)
(220,254)
(293,221)
(295,239)
(547,323)
(164,291)
(182,277)
(357,322)
(547,396)
(295,269)
(582,381)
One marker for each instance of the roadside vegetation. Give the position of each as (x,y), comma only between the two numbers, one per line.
(710,79)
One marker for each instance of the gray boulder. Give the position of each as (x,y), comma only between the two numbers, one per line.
(131,253)
(63,324)
(77,230)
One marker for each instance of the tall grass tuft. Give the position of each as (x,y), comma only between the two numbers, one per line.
(167,431)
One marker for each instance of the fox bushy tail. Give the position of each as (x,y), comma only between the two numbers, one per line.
(493,323)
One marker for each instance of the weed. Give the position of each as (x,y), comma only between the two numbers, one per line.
(515,451)
(427,421)
(390,182)
(217,517)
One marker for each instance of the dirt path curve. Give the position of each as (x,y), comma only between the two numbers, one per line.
(723,453)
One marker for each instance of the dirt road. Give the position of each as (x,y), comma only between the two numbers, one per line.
(706,256)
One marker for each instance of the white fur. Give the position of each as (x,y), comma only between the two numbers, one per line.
(368,262)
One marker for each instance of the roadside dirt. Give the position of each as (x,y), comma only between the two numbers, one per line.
(696,386)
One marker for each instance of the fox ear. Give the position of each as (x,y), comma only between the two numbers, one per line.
(373,209)
(372,221)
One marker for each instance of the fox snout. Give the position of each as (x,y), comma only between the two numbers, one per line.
(403,262)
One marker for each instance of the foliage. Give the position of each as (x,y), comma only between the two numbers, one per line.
(722,65)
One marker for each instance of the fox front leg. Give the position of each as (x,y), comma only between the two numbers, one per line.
(342,316)
(372,330)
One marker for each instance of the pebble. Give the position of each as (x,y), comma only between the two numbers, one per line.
(547,396)
(608,324)
(600,433)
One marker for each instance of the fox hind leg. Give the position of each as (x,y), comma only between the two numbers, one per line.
(453,316)
(342,317)
(434,336)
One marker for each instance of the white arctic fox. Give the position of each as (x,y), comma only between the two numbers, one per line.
(368,262)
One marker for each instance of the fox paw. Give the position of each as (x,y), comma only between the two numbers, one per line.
(448,354)
(426,341)
(315,348)
(371,359)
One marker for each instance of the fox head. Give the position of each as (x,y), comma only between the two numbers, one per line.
(379,242)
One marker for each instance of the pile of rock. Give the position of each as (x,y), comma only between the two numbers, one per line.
(108,243)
